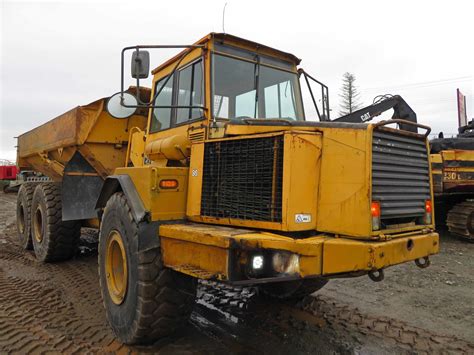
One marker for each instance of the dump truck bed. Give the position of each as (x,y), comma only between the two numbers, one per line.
(90,130)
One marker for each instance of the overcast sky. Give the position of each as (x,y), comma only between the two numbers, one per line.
(56,55)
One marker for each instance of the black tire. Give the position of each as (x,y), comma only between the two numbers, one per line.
(23,214)
(292,290)
(156,300)
(53,239)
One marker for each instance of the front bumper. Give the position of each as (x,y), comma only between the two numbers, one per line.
(223,253)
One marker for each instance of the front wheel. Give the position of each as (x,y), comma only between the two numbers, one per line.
(292,290)
(144,301)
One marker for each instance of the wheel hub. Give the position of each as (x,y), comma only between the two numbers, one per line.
(38,225)
(116,267)
(21,219)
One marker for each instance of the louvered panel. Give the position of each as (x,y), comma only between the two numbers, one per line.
(400,175)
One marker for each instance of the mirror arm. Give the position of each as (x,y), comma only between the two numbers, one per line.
(137,48)
(137,59)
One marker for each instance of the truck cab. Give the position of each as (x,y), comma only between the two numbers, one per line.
(228,78)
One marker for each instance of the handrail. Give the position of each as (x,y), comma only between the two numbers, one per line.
(399,120)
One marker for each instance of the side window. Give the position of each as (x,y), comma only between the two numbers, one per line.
(221,106)
(161,118)
(190,92)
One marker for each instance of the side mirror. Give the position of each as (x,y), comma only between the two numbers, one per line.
(140,64)
(115,105)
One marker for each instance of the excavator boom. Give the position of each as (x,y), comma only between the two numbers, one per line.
(401,110)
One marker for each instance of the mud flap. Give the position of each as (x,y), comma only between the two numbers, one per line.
(80,187)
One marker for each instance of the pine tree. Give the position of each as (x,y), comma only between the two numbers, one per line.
(349,95)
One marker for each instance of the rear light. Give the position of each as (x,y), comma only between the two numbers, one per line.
(375,211)
(428,212)
(168,184)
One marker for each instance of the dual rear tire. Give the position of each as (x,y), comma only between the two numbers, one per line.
(144,301)
(40,225)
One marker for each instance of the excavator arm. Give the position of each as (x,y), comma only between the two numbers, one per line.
(401,110)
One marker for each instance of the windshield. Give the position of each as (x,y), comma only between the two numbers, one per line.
(244,89)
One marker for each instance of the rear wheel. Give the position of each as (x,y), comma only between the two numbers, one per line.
(23,214)
(292,290)
(144,301)
(53,239)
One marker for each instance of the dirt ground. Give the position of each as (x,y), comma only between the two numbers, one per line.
(57,308)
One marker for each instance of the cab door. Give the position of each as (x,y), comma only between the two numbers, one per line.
(179,97)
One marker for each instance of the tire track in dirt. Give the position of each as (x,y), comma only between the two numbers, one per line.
(389,329)
(25,309)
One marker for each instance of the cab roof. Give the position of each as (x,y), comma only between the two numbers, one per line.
(225,38)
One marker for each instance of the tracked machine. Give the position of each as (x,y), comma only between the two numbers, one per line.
(216,173)
(452,161)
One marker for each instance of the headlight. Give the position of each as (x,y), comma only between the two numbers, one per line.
(286,263)
(257,262)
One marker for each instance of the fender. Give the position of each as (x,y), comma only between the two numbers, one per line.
(124,183)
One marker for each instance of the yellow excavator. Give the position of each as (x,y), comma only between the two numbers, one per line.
(452,163)
(216,173)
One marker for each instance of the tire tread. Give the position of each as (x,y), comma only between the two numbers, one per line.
(63,236)
(164,297)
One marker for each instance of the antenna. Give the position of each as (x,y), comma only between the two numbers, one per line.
(223,18)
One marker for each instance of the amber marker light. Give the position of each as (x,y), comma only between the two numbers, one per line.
(169,184)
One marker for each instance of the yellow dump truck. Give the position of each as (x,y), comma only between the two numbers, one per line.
(216,174)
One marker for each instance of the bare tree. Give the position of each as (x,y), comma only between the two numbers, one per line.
(349,95)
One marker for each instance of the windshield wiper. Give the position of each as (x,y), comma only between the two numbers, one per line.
(256,79)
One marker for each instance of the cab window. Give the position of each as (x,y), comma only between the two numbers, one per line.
(161,118)
(190,92)
(250,89)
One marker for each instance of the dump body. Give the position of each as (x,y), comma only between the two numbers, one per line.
(89,130)
(79,148)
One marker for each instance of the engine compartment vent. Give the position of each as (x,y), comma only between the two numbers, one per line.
(242,179)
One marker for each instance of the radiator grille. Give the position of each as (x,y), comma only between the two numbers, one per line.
(400,175)
(242,179)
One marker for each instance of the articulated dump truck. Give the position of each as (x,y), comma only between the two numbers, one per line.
(216,174)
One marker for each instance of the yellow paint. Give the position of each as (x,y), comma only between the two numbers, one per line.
(342,255)
(195,259)
(175,147)
(116,267)
(205,249)
(136,147)
(453,176)
(101,139)
(193,207)
(162,204)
